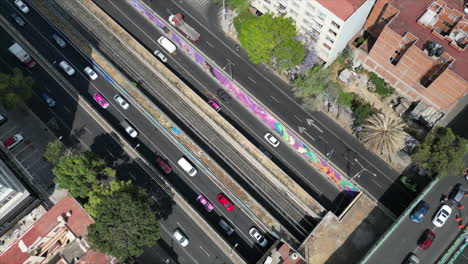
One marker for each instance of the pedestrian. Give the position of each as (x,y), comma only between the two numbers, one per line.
(444,198)
(237,47)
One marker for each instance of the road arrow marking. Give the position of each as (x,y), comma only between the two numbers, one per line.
(302,130)
(310,122)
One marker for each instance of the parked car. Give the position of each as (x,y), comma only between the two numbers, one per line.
(426,239)
(18,19)
(60,42)
(187,166)
(419,211)
(225,202)
(457,193)
(206,204)
(225,97)
(48,99)
(13,141)
(181,238)
(163,165)
(160,55)
(272,139)
(3,119)
(259,238)
(67,68)
(442,215)
(214,105)
(226,227)
(129,129)
(412,259)
(24,8)
(91,73)
(121,101)
(100,100)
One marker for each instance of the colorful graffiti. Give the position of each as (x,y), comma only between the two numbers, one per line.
(258,110)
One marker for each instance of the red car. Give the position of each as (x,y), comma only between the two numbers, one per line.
(426,239)
(13,141)
(225,202)
(163,165)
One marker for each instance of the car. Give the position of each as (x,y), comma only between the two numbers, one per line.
(18,19)
(67,68)
(187,166)
(129,129)
(48,99)
(226,227)
(13,141)
(60,42)
(419,211)
(24,8)
(442,215)
(206,204)
(457,193)
(259,238)
(272,139)
(181,238)
(91,73)
(223,95)
(426,239)
(214,105)
(100,100)
(225,202)
(160,55)
(121,101)
(3,119)
(412,259)
(163,165)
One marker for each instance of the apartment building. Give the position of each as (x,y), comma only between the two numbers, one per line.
(330,23)
(419,48)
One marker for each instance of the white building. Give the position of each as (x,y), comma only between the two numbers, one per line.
(333,22)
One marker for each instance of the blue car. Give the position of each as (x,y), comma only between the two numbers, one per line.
(48,99)
(419,211)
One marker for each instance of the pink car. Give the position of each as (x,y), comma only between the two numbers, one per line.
(101,100)
(206,204)
(214,105)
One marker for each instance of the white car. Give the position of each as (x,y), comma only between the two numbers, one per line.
(181,238)
(442,215)
(160,55)
(129,129)
(67,68)
(24,8)
(261,240)
(271,139)
(121,101)
(91,73)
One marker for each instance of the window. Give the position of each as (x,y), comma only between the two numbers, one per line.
(326,46)
(452,16)
(322,16)
(393,61)
(332,32)
(268,1)
(447,24)
(335,24)
(397,52)
(293,12)
(384,19)
(330,39)
(318,24)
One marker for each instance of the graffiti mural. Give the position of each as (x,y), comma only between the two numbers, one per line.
(257,109)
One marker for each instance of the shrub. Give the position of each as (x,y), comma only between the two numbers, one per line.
(381,87)
(361,111)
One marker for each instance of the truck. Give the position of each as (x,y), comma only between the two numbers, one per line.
(21,54)
(178,22)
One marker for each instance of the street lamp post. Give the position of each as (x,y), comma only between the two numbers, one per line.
(232,249)
(358,174)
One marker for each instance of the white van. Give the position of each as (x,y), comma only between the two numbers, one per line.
(167,44)
(187,167)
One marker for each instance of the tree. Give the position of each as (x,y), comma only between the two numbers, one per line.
(361,111)
(124,222)
(79,173)
(441,152)
(54,151)
(15,88)
(315,81)
(100,192)
(289,54)
(383,134)
(234,4)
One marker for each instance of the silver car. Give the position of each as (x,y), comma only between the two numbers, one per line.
(18,19)
(259,238)
(121,101)
(59,40)
(161,56)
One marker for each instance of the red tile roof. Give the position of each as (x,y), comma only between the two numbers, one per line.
(78,223)
(406,21)
(342,8)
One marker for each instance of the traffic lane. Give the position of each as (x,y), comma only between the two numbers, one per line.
(404,239)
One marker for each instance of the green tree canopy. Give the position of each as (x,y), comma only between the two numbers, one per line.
(125,223)
(441,152)
(54,151)
(15,88)
(79,173)
(315,81)
(234,4)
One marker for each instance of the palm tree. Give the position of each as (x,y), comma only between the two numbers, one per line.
(383,134)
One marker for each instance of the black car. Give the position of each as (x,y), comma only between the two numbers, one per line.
(223,95)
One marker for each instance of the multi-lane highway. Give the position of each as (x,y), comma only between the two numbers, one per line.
(150,142)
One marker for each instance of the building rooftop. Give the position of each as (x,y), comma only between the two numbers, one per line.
(409,12)
(342,8)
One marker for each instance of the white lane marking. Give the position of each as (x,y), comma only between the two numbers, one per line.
(377,184)
(232,63)
(48,90)
(276,100)
(252,80)
(66,109)
(323,139)
(209,44)
(131,175)
(204,251)
(300,120)
(87,130)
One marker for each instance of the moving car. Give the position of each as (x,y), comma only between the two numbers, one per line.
(442,215)
(214,105)
(419,211)
(13,141)
(225,97)
(226,227)
(91,73)
(412,259)
(225,202)
(129,129)
(18,19)
(3,119)
(24,8)
(167,44)
(259,238)
(48,99)
(59,40)
(181,238)
(67,68)
(100,100)
(426,239)
(271,139)
(160,55)
(163,165)
(206,204)
(121,101)
(187,167)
